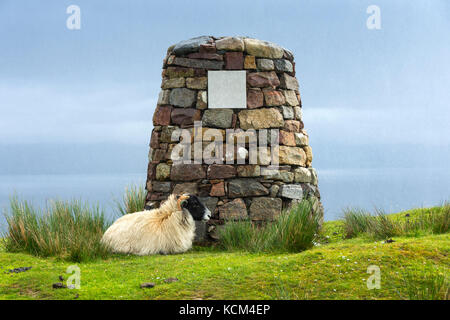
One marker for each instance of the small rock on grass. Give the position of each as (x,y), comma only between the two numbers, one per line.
(58,285)
(18,270)
(147,285)
(170,280)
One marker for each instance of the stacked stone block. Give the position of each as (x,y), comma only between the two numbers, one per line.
(232,191)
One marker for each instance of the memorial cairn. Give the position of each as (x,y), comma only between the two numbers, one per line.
(228,128)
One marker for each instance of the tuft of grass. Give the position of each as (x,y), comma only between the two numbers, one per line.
(293,231)
(356,222)
(240,235)
(430,286)
(381,226)
(70,230)
(133,200)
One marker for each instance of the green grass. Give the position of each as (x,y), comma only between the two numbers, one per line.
(293,231)
(381,226)
(415,266)
(69,230)
(133,200)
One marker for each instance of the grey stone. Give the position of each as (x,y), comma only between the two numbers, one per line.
(250,170)
(265,209)
(283,65)
(170,83)
(314,179)
(263,49)
(276,174)
(166,134)
(288,112)
(197,63)
(230,44)
(190,45)
(288,82)
(188,187)
(200,231)
(246,188)
(265,64)
(274,190)
(161,186)
(182,97)
(298,113)
(210,203)
(302,175)
(301,139)
(202,100)
(163,97)
(218,118)
(291,191)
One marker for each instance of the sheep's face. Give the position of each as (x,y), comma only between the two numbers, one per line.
(196,209)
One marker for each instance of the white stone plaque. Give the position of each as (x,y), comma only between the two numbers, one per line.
(227,89)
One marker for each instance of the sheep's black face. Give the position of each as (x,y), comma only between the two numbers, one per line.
(197,209)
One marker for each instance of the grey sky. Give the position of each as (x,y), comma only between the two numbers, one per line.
(383,88)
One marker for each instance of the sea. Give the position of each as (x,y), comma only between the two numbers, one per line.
(387,189)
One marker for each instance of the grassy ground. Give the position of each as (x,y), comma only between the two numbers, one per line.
(333,270)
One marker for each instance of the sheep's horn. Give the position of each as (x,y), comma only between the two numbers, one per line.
(180,200)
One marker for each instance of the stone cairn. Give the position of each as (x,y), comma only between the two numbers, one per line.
(231,191)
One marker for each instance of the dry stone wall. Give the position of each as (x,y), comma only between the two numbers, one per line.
(256,191)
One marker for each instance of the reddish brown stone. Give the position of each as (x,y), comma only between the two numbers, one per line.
(221,171)
(273,98)
(293,125)
(299,98)
(208,48)
(234,60)
(234,121)
(187,187)
(151,171)
(218,190)
(287,138)
(187,172)
(154,141)
(205,55)
(158,155)
(200,72)
(255,98)
(163,146)
(263,79)
(185,116)
(148,187)
(234,210)
(157,196)
(161,117)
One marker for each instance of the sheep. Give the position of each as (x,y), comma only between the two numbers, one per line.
(168,229)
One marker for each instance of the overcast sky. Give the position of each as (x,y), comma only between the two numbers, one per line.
(364,91)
